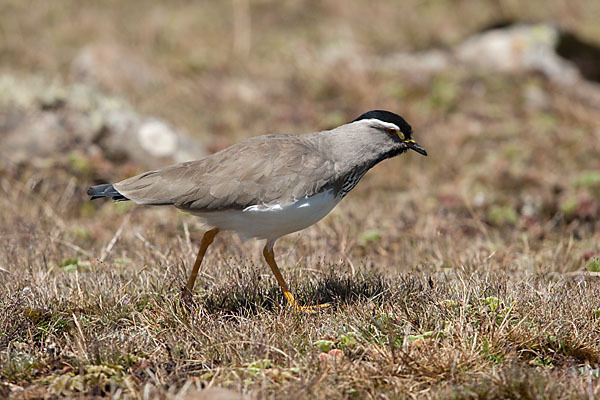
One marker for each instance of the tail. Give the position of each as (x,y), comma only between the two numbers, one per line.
(106,190)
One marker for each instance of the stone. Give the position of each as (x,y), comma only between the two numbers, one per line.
(213,394)
(519,48)
(33,137)
(41,121)
(147,141)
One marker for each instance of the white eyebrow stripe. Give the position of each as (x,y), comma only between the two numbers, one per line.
(379,123)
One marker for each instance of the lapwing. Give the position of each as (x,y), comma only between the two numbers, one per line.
(268,186)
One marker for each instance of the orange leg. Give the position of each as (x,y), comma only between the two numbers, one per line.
(270,257)
(207,239)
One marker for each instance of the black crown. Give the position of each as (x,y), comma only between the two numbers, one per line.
(388,116)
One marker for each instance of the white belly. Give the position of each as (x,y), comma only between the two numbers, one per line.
(272,222)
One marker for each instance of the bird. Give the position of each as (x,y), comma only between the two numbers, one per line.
(268,186)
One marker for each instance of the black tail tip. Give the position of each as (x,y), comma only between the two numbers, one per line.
(105,190)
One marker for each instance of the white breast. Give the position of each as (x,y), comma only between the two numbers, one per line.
(273,221)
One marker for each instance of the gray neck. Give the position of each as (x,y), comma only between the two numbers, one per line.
(348,147)
(354,149)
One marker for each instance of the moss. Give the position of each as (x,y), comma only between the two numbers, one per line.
(502,215)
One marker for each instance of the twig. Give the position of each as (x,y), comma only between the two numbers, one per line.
(583,273)
(150,246)
(81,340)
(106,251)
(73,247)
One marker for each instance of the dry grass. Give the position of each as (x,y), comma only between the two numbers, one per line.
(468,274)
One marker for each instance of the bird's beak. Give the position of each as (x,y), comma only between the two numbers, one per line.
(411,144)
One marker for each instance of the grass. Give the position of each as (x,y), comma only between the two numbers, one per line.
(472,273)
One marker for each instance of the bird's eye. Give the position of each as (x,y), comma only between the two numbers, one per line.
(391,132)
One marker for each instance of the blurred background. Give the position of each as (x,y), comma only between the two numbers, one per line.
(503,94)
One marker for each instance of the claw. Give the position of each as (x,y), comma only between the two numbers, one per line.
(311,309)
(292,303)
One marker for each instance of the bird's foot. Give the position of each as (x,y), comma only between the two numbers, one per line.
(292,303)
(311,309)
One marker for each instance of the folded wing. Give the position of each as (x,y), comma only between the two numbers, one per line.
(263,170)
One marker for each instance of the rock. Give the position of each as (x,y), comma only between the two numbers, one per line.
(559,55)
(33,137)
(214,394)
(535,98)
(157,138)
(40,121)
(118,138)
(519,48)
(112,67)
(585,55)
(145,140)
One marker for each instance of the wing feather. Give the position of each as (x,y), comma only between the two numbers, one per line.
(263,170)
